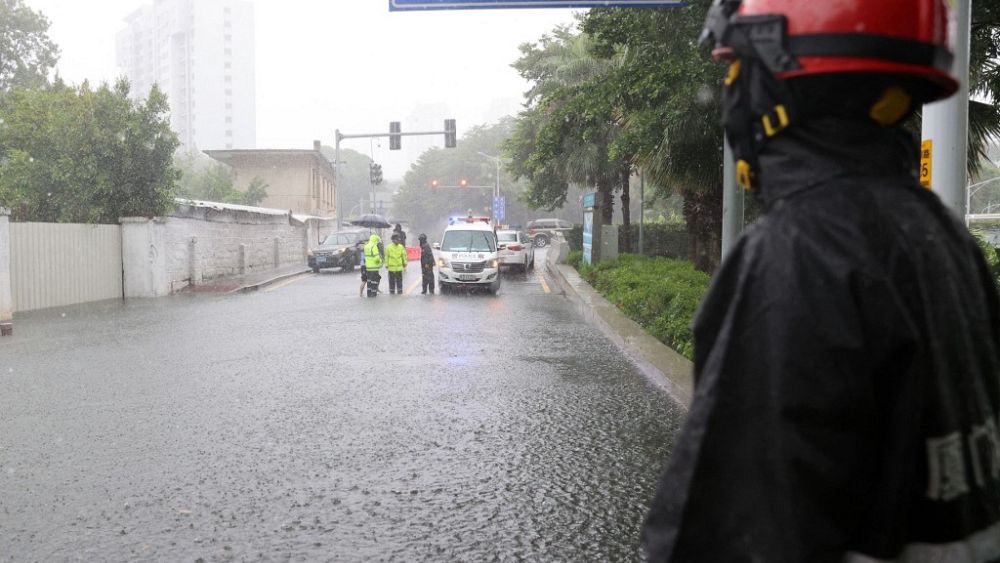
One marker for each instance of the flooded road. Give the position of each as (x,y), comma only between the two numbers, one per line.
(303,423)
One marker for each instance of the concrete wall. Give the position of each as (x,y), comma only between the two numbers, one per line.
(202,250)
(6,297)
(143,259)
(205,241)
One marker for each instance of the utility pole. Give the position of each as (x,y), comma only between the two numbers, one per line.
(732,201)
(945,130)
(449,132)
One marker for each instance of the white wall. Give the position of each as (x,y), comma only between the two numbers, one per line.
(213,249)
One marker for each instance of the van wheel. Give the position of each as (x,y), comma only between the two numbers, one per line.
(541,241)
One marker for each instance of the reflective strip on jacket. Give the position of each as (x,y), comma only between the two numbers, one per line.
(395,257)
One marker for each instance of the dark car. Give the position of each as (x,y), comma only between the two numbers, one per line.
(338,250)
(541,231)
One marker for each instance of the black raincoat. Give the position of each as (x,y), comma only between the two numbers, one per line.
(847,374)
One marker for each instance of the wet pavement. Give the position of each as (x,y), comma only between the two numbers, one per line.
(303,423)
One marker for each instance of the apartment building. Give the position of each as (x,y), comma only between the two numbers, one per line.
(201,54)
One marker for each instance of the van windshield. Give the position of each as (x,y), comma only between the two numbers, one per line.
(468,241)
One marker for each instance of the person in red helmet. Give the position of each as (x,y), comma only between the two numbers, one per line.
(847,354)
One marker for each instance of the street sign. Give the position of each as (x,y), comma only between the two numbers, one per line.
(411,5)
(499,208)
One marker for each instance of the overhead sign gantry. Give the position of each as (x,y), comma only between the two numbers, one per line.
(421,5)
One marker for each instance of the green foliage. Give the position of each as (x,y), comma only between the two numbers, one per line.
(567,131)
(659,239)
(575,258)
(203,179)
(984,80)
(81,155)
(26,52)
(427,209)
(990,253)
(660,294)
(670,112)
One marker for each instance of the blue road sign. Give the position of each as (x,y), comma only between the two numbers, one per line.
(499,208)
(411,5)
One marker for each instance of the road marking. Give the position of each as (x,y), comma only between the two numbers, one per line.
(413,287)
(545,286)
(280,285)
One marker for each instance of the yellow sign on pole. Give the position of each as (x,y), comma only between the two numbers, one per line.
(926,156)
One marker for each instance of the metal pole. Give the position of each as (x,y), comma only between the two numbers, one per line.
(642,207)
(732,202)
(336,180)
(946,124)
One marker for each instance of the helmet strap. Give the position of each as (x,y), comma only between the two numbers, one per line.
(756,108)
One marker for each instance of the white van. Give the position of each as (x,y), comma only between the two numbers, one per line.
(469,255)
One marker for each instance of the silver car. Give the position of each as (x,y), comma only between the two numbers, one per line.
(516,250)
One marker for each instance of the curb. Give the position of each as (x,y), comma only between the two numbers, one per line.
(256,286)
(660,363)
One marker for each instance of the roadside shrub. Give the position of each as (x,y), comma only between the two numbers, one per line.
(662,295)
(575,238)
(658,239)
(575,258)
(990,252)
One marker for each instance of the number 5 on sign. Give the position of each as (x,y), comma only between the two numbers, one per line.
(926,154)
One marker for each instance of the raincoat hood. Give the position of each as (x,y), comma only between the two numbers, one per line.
(815,152)
(374,239)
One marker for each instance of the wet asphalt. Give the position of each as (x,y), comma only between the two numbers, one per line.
(303,423)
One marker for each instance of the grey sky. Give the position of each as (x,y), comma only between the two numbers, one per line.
(347,64)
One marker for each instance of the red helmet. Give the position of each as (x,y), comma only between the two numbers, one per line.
(816,37)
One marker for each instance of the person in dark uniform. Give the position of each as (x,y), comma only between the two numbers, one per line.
(398,230)
(847,354)
(426,264)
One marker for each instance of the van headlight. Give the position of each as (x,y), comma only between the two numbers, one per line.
(442,263)
(494,263)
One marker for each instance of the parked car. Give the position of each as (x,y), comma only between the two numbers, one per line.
(339,250)
(516,250)
(541,231)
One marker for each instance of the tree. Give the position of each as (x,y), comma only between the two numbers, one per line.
(568,132)
(203,179)
(669,110)
(83,155)
(427,208)
(26,52)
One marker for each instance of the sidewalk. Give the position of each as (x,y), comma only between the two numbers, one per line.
(658,361)
(248,282)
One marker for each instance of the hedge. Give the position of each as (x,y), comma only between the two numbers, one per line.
(668,241)
(660,294)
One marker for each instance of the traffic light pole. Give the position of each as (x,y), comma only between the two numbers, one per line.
(336,169)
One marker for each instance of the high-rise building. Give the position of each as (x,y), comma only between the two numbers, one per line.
(201,54)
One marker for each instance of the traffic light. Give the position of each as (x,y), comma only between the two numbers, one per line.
(463,183)
(434,183)
(375,173)
(450,139)
(395,140)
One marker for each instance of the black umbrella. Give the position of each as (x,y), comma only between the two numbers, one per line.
(372,221)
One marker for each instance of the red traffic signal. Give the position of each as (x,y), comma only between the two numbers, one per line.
(434,183)
(463,183)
